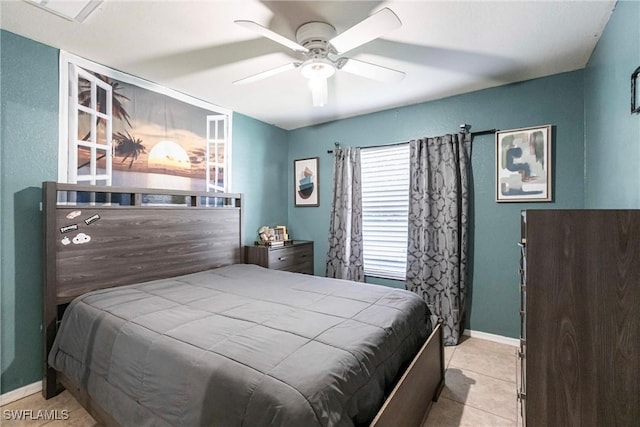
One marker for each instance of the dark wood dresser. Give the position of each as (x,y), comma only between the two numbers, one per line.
(296,256)
(580,310)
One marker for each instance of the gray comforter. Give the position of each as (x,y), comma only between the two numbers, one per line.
(240,345)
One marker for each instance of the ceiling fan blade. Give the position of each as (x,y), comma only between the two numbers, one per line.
(265,32)
(371,71)
(371,28)
(268,73)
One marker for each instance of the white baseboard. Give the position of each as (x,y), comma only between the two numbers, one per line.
(492,337)
(21,392)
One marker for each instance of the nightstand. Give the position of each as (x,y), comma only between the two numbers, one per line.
(296,256)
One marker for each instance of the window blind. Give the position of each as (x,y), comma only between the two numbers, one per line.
(385,209)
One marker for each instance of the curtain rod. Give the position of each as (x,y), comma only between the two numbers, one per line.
(464,128)
(337,144)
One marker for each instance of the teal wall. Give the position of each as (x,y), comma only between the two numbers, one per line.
(29,143)
(259,165)
(612,132)
(28,156)
(556,100)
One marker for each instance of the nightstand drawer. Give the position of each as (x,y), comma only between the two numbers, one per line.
(294,258)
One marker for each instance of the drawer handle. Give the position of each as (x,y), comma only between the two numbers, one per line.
(282,258)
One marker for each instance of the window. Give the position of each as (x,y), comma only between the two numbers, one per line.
(385,210)
(116,129)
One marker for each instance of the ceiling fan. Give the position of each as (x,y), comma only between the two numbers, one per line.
(320,47)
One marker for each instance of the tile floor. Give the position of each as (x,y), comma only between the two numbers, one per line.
(480,392)
(64,407)
(480,389)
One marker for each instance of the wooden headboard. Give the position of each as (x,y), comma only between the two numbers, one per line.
(103,237)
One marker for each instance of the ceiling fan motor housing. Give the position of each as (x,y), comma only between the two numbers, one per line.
(315,36)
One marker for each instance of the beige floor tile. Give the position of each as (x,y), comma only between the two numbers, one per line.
(23,420)
(485,357)
(483,345)
(448,413)
(77,418)
(33,411)
(448,353)
(482,392)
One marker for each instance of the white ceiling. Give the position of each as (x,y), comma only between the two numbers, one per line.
(445,48)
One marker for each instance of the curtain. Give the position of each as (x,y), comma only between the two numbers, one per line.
(437,228)
(344,258)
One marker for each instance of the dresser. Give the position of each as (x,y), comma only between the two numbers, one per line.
(580,310)
(296,256)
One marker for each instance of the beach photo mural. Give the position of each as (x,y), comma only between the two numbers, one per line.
(158,141)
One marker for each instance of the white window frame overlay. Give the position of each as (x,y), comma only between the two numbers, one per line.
(217,130)
(385,210)
(74,109)
(65,152)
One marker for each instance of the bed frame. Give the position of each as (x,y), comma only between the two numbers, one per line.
(104,237)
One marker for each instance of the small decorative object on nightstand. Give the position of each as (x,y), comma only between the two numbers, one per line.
(295,256)
(273,236)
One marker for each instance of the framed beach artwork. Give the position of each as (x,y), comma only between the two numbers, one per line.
(125,131)
(523,165)
(305,182)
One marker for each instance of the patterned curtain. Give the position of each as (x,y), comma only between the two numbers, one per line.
(438,218)
(344,258)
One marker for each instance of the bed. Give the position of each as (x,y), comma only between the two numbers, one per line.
(151,318)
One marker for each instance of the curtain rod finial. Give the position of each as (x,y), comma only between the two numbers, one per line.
(464,128)
(337,144)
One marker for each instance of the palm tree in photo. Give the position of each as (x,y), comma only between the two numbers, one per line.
(128,146)
(117,104)
(117,100)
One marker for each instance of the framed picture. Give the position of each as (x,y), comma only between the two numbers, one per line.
(523,165)
(305,182)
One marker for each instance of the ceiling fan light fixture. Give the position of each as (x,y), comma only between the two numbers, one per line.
(318,68)
(319,91)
